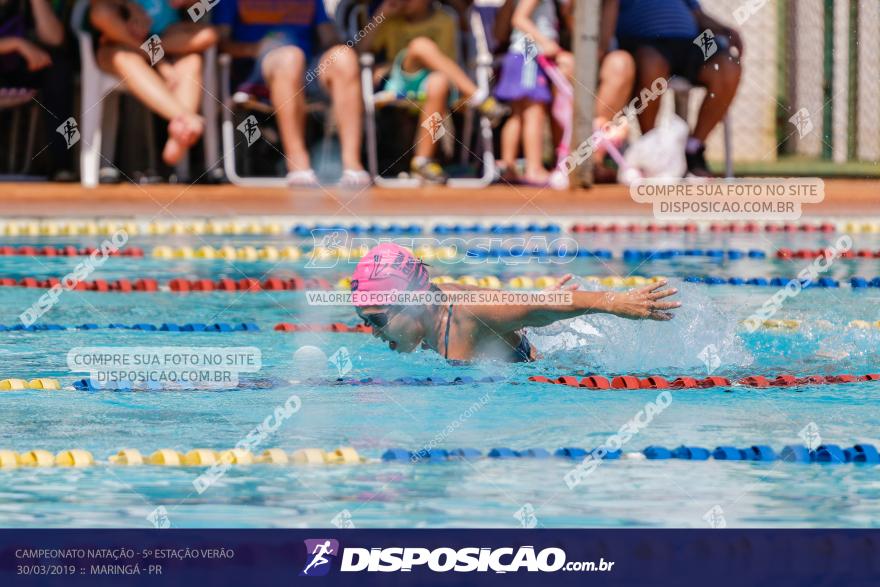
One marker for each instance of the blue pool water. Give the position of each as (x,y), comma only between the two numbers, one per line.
(514,413)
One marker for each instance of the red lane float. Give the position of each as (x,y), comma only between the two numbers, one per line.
(180,285)
(633,382)
(335,327)
(626,382)
(65,251)
(788,254)
(595,382)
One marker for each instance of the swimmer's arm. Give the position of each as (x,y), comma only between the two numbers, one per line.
(645,303)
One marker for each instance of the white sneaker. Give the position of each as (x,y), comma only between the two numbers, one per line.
(354,179)
(305,178)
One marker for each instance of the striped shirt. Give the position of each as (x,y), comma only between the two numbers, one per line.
(657,19)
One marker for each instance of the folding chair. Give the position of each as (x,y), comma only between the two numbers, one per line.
(100,93)
(681,89)
(483,70)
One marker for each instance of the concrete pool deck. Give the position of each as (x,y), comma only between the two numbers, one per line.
(843,197)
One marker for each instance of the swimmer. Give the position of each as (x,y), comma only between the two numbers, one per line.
(479,331)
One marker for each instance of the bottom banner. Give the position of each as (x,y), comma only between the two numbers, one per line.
(440,557)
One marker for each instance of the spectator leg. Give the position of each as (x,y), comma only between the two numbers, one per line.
(142,80)
(147,85)
(184,79)
(436,98)
(721,77)
(284,70)
(341,75)
(423,53)
(534,118)
(650,65)
(511,136)
(616,77)
(617,74)
(183,38)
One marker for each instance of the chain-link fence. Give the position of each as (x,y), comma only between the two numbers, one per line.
(811,80)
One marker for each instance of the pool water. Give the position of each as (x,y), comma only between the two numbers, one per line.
(512,413)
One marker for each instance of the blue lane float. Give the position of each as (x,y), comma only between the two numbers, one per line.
(306,230)
(827,454)
(520,251)
(862,453)
(142,327)
(641,255)
(409,381)
(821,283)
(89,384)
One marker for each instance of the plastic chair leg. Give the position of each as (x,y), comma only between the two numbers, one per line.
(90,131)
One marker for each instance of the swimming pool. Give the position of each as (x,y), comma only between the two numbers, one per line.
(511,413)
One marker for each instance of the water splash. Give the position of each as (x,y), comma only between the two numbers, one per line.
(610,344)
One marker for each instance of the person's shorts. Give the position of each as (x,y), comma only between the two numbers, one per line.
(522,80)
(251,71)
(413,86)
(684,57)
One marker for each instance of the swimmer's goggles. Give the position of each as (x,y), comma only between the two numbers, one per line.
(378,319)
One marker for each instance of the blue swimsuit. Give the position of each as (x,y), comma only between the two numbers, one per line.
(521,354)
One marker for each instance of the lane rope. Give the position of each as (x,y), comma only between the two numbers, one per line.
(251,284)
(592,382)
(788,325)
(633,382)
(89,384)
(830,454)
(256,225)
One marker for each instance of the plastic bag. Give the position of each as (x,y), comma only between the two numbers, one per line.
(657,154)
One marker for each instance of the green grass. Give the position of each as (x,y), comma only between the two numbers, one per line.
(804,166)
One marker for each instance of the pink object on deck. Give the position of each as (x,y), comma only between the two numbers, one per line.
(563,104)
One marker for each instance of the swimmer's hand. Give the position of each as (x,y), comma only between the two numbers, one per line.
(644,303)
(563,285)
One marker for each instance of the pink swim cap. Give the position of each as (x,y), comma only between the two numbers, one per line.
(388,267)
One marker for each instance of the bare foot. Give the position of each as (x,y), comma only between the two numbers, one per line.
(183,132)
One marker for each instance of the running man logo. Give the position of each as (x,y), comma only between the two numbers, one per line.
(341,359)
(317,553)
(250,130)
(802,122)
(159,517)
(710,358)
(810,435)
(526,516)
(706,42)
(434,125)
(715,517)
(329,246)
(343,520)
(70,131)
(529,49)
(153,48)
